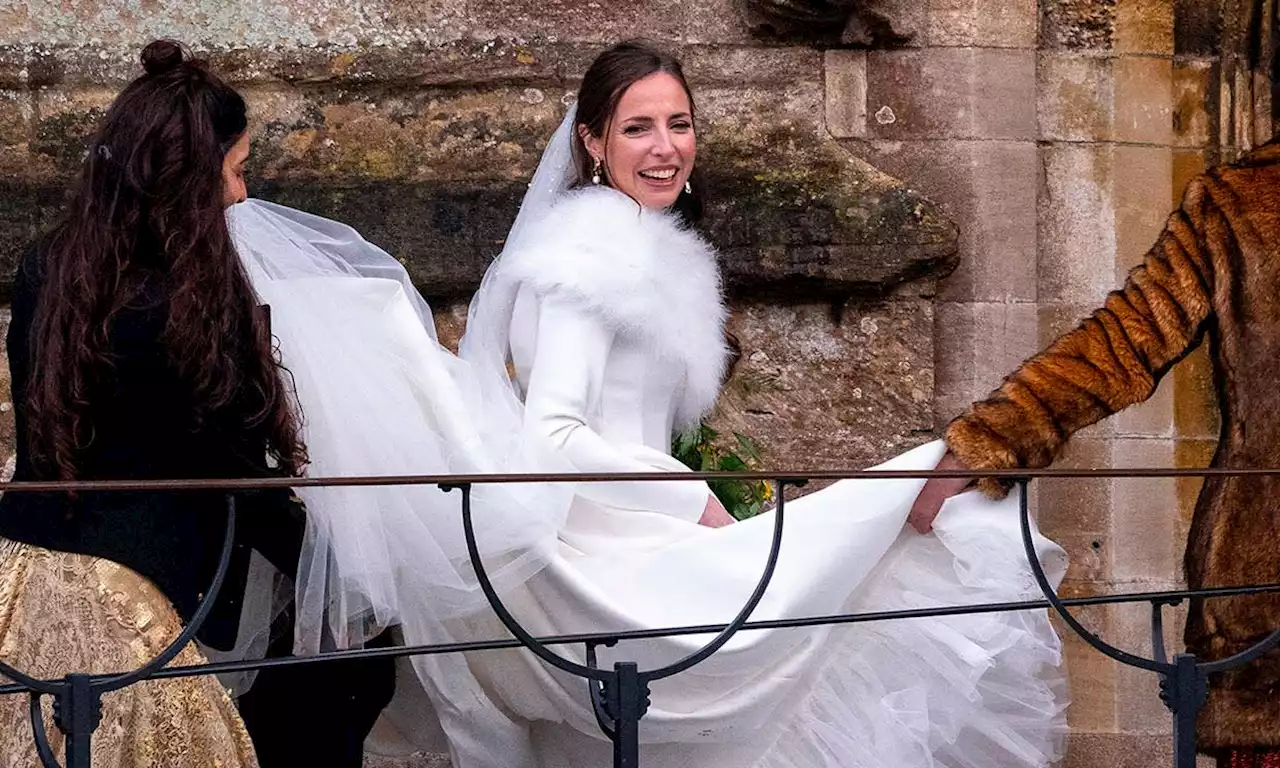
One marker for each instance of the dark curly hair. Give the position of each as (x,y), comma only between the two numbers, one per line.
(150,203)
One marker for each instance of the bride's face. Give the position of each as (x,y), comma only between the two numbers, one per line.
(649,144)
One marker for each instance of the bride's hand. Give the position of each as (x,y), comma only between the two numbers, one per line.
(934,493)
(714,515)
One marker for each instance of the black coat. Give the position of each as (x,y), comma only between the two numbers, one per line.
(144,428)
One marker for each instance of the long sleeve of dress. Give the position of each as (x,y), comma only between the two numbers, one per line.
(1113,359)
(565,386)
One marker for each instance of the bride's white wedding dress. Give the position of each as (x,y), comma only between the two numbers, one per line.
(612,319)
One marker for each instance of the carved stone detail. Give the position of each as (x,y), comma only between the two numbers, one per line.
(870,23)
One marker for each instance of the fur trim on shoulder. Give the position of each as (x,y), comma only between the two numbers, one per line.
(643,273)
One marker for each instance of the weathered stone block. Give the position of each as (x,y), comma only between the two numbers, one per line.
(13,68)
(1077,223)
(1138,706)
(949,93)
(1144,26)
(826,223)
(1195,93)
(419,760)
(66,122)
(739,67)
(979,343)
(713,21)
(14,19)
(1191,454)
(1151,418)
(16,114)
(1143,188)
(259,25)
(1187,164)
(734,115)
(1195,398)
(1078,506)
(832,389)
(600,22)
(1092,676)
(1122,750)
(1075,97)
(991,187)
(1144,100)
(1198,31)
(1090,563)
(424,136)
(1078,24)
(981,23)
(446,235)
(955,337)
(874,23)
(1145,528)
(1057,319)
(846,93)
(1262,118)
(44,64)
(604,23)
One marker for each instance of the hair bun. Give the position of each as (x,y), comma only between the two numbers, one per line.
(161,56)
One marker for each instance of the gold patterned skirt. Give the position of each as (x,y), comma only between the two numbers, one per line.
(62,613)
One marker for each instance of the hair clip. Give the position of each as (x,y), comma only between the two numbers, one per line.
(104,151)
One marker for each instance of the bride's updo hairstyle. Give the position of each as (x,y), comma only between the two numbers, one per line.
(148,210)
(607,79)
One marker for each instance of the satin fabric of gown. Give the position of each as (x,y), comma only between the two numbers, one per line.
(606,378)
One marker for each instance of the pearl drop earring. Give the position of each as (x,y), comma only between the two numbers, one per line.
(595,172)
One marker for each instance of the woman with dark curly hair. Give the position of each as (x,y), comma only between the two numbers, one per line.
(138,351)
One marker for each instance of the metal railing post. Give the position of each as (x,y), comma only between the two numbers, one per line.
(1186,688)
(77,711)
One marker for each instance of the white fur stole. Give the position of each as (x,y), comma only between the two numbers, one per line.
(642,272)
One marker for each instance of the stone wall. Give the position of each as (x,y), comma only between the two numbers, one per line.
(841,138)
(419,123)
(1060,134)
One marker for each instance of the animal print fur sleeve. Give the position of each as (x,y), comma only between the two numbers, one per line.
(1113,359)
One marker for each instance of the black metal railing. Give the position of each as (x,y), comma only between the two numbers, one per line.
(619,696)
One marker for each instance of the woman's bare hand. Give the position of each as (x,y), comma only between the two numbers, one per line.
(934,493)
(714,515)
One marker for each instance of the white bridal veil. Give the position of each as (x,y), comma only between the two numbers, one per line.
(375,555)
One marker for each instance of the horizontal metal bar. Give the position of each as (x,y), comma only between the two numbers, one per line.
(609,638)
(263,483)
